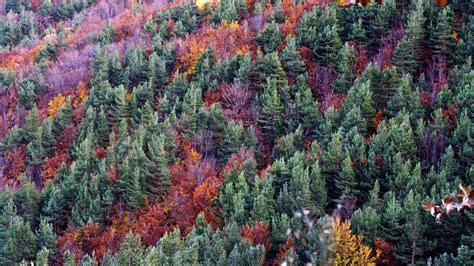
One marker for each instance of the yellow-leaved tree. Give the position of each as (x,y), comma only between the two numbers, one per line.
(350,249)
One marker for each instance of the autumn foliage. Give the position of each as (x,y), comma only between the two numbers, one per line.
(349,248)
(56,104)
(148,117)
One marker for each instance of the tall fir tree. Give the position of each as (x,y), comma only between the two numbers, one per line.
(291,59)
(131,250)
(345,65)
(332,165)
(46,238)
(318,188)
(270,37)
(157,74)
(115,70)
(32,123)
(270,118)
(266,68)
(345,181)
(21,241)
(408,56)
(442,41)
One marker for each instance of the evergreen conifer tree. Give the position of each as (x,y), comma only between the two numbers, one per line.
(408,56)
(21,241)
(291,59)
(270,37)
(270,118)
(345,66)
(131,251)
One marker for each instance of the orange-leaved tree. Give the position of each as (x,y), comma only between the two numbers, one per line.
(56,104)
(257,234)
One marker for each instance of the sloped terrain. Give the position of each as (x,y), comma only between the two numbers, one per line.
(237,132)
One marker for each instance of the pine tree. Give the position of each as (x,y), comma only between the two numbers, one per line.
(279,227)
(400,137)
(234,198)
(330,124)
(100,66)
(358,32)
(328,45)
(177,88)
(158,182)
(115,70)
(392,219)
(49,141)
(142,95)
(405,98)
(26,95)
(131,251)
(354,119)
(332,164)
(408,248)
(345,181)
(6,217)
(462,142)
(85,156)
(449,164)
(242,73)
(109,259)
(345,66)
(108,34)
(270,118)
(465,255)
(32,123)
(46,238)
(291,59)
(232,141)
(102,129)
(374,200)
(366,221)
(87,260)
(227,10)
(360,96)
(157,73)
(382,83)
(264,69)
(442,42)
(318,187)
(385,15)
(408,56)
(35,156)
(169,245)
(137,66)
(270,37)
(263,203)
(286,146)
(42,257)
(462,80)
(21,241)
(300,188)
(307,108)
(206,73)
(62,119)
(69,258)
(130,187)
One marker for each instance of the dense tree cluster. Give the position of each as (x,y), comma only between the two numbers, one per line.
(234,132)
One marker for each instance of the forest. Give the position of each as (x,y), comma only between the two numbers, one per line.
(236,132)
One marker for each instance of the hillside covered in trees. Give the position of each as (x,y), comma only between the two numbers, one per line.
(236,132)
